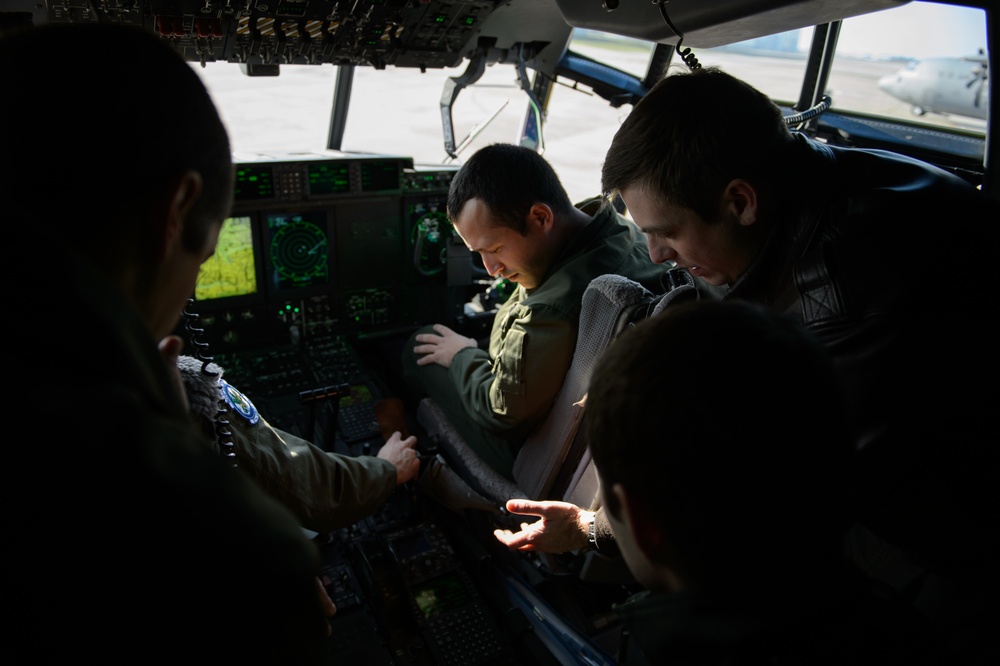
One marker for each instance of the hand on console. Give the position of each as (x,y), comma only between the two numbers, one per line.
(402,453)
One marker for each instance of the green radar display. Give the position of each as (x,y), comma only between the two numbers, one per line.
(231,271)
(299,249)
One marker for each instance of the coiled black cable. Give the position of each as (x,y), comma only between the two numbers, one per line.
(813,111)
(686,55)
(223,434)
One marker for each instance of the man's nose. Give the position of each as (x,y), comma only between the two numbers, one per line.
(492,267)
(661,253)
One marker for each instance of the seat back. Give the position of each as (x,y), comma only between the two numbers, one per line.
(607,301)
(577,481)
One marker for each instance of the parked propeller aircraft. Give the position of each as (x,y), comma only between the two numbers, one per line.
(942,85)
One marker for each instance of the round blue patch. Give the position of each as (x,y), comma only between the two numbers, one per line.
(239,403)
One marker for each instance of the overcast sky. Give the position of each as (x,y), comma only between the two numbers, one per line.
(906,31)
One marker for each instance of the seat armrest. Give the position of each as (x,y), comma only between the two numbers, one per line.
(482,478)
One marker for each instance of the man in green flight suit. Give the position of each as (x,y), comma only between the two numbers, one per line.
(507,204)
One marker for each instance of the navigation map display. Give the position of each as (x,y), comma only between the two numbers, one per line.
(232,270)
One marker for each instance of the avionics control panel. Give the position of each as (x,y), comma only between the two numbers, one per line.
(257,35)
(425,606)
(327,244)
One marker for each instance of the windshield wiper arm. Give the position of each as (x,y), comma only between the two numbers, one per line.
(452,86)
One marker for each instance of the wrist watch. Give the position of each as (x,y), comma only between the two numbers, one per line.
(592,534)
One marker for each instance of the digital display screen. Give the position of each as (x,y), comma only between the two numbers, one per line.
(440,594)
(366,229)
(380,176)
(254,183)
(329,178)
(299,249)
(411,545)
(232,270)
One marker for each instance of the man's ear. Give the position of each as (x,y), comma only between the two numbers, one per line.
(540,215)
(641,519)
(740,199)
(180,199)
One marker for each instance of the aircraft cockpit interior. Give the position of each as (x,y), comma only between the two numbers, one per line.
(336,251)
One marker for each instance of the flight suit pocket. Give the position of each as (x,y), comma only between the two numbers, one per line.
(509,366)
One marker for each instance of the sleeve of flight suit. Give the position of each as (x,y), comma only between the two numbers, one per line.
(531,350)
(326,491)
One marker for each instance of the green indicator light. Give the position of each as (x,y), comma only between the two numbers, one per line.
(440,18)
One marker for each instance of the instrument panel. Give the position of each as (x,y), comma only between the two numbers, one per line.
(327,245)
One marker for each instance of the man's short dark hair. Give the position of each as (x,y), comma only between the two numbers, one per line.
(98,120)
(729,420)
(509,179)
(690,135)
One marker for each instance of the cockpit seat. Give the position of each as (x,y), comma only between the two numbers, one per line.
(554,462)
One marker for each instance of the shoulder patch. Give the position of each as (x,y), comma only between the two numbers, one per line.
(238,402)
